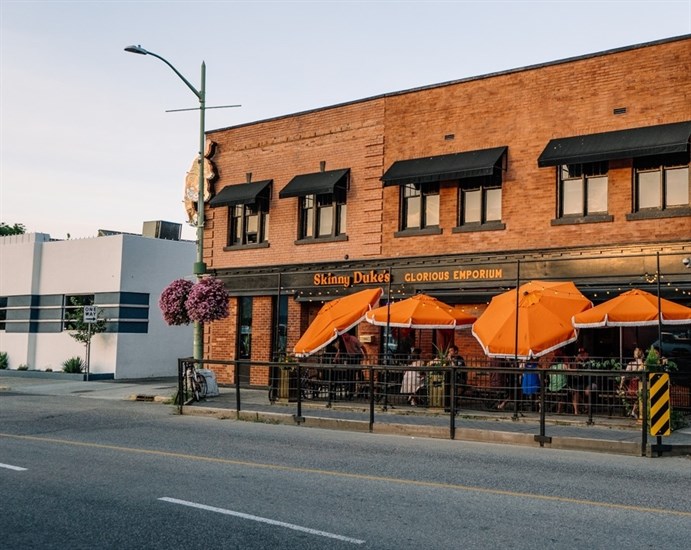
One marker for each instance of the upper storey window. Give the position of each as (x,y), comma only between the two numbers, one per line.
(478,175)
(420,205)
(322,216)
(322,205)
(479,201)
(661,183)
(660,160)
(583,189)
(248,213)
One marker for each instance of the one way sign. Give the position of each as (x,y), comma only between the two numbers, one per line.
(89,314)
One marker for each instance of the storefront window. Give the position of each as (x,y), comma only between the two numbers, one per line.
(245,325)
(280,327)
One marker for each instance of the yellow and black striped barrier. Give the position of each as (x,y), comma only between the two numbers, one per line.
(658,399)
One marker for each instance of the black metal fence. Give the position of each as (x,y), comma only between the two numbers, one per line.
(546,394)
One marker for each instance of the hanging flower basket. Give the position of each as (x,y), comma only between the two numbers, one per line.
(172,302)
(207,301)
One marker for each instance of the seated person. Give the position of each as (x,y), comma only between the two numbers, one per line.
(558,383)
(413,380)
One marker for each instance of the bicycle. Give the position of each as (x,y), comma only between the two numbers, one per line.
(196,383)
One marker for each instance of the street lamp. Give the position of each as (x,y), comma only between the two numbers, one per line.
(199,266)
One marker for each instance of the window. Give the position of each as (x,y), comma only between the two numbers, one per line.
(248,224)
(419,205)
(73,309)
(662,183)
(280,327)
(3,312)
(323,215)
(245,324)
(479,201)
(583,189)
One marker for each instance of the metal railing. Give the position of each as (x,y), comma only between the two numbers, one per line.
(543,394)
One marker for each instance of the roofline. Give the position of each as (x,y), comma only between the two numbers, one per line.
(460,81)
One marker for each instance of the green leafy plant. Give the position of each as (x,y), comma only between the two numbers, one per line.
(14,229)
(73,365)
(4,360)
(78,329)
(605,364)
(23,366)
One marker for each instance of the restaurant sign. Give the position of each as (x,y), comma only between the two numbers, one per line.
(373,277)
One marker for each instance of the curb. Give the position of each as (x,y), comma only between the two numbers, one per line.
(435,432)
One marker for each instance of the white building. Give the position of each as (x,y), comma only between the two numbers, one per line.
(123,275)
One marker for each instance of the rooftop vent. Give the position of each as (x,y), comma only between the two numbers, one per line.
(162,230)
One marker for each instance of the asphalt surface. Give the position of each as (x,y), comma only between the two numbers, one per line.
(611,435)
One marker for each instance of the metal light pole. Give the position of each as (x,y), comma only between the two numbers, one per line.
(199,267)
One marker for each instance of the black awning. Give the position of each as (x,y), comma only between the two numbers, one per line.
(620,144)
(318,183)
(469,164)
(242,193)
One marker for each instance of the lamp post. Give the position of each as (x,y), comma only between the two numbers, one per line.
(199,267)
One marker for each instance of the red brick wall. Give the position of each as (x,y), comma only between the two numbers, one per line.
(347,137)
(522,109)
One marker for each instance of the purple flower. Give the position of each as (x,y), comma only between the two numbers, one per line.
(207,301)
(172,302)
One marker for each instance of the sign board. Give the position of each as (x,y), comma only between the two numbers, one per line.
(90,314)
(658,398)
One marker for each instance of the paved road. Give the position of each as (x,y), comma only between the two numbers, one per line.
(96,473)
(612,435)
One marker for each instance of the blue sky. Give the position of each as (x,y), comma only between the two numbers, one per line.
(86,143)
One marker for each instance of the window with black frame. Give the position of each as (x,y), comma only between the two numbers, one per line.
(73,308)
(245,325)
(419,205)
(479,201)
(323,215)
(248,223)
(661,182)
(583,189)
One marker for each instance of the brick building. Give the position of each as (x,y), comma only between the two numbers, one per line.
(570,170)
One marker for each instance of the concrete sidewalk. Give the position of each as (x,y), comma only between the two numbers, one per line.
(612,435)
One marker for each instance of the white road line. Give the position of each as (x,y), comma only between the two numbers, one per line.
(262,520)
(10,467)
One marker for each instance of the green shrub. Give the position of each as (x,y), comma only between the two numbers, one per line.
(73,365)
(4,360)
(23,366)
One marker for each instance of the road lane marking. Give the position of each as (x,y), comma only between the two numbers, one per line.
(346,475)
(10,467)
(262,520)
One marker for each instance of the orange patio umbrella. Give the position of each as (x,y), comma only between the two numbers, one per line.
(335,318)
(633,308)
(544,311)
(420,312)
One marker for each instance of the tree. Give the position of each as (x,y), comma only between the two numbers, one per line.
(75,325)
(80,330)
(16,229)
